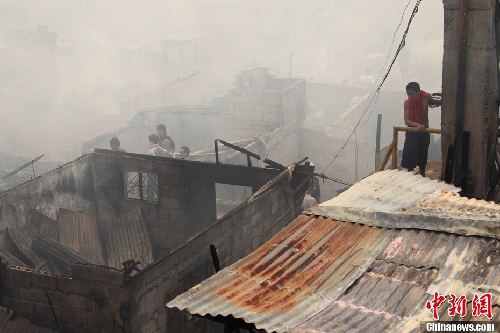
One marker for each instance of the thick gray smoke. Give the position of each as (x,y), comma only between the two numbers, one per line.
(67,68)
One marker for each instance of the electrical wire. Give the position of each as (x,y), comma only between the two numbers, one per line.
(375,93)
(377,90)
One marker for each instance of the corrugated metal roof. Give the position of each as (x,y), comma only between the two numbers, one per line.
(400,199)
(292,277)
(23,238)
(322,275)
(10,259)
(79,232)
(44,224)
(59,256)
(127,238)
(389,191)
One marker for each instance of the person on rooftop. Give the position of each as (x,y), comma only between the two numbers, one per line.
(114,144)
(184,153)
(416,114)
(154,148)
(166,142)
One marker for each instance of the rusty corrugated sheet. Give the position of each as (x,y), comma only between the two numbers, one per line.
(391,290)
(392,294)
(292,277)
(127,238)
(79,232)
(323,275)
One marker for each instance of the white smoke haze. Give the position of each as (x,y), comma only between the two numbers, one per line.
(66,66)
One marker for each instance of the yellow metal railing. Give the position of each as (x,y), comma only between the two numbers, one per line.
(393,147)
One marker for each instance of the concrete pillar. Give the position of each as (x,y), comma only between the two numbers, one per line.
(470,87)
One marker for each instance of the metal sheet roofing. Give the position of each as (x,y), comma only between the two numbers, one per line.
(10,259)
(323,275)
(127,238)
(23,239)
(79,232)
(44,224)
(389,191)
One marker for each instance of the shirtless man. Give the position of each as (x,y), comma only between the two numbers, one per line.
(166,141)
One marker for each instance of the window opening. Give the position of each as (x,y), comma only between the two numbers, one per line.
(141,186)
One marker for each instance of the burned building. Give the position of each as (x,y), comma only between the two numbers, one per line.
(67,234)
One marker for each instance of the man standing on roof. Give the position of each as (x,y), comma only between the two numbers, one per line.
(166,141)
(416,114)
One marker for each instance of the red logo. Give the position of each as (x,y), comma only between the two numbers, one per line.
(435,304)
(457,306)
(480,305)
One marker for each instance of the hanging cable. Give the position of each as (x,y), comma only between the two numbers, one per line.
(377,90)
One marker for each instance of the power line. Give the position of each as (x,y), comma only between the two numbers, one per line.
(377,90)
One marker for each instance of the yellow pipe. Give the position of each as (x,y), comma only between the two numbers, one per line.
(406,129)
(414,129)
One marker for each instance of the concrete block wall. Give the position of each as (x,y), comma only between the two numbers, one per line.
(284,109)
(283,145)
(294,104)
(235,236)
(184,91)
(167,220)
(93,299)
(186,194)
(257,106)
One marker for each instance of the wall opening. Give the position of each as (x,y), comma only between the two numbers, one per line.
(228,197)
(141,186)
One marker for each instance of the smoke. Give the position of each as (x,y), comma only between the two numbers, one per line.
(68,67)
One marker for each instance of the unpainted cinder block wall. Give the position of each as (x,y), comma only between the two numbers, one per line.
(94,299)
(186,194)
(234,236)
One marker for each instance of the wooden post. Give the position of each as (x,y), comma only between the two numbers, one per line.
(386,157)
(377,144)
(216,153)
(394,148)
